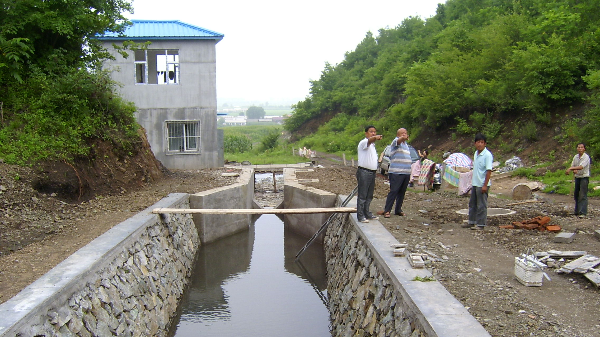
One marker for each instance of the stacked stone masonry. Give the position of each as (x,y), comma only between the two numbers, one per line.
(362,299)
(134,293)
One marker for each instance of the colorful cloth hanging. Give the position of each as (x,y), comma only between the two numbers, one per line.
(426,170)
(451,176)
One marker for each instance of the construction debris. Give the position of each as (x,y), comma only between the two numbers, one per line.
(416,260)
(399,252)
(581,265)
(584,263)
(540,223)
(564,237)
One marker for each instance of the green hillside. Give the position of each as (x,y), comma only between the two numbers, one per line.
(473,66)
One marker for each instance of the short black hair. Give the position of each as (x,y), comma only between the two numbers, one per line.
(583,144)
(480,137)
(369,127)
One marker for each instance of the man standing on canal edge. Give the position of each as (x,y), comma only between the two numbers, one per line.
(399,173)
(482,170)
(365,175)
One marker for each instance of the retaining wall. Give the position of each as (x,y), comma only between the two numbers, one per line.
(373,293)
(236,196)
(128,281)
(297,195)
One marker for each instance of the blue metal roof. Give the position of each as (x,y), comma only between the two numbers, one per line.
(162,30)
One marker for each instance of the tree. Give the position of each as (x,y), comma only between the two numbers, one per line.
(52,35)
(255,112)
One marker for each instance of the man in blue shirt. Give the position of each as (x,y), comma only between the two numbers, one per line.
(399,173)
(482,170)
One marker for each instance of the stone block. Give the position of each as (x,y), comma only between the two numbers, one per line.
(400,252)
(597,234)
(564,237)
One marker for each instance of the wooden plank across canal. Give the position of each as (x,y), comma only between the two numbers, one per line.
(254,211)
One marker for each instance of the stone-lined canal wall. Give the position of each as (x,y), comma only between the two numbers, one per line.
(373,293)
(128,281)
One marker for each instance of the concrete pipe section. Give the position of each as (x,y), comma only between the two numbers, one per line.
(491,212)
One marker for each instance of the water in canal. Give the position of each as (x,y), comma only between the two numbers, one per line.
(249,284)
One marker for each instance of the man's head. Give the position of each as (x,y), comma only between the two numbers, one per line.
(402,134)
(580,148)
(480,142)
(370,131)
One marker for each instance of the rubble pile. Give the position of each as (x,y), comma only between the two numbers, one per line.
(580,262)
(540,223)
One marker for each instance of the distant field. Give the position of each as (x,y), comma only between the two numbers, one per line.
(277,112)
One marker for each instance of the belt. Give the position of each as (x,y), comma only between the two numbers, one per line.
(371,170)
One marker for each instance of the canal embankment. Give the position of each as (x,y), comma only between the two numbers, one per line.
(128,281)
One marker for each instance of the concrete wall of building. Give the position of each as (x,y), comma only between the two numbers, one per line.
(193,98)
(210,154)
(197,87)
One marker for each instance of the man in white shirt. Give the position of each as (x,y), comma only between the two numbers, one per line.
(580,166)
(365,175)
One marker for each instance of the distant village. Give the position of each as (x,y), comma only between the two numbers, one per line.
(236,116)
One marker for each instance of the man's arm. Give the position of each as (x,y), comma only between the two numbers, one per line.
(372,139)
(484,188)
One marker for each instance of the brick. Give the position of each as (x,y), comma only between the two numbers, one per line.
(507,226)
(553,228)
(564,237)
(544,220)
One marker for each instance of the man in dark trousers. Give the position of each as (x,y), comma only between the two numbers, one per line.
(365,175)
(482,170)
(399,173)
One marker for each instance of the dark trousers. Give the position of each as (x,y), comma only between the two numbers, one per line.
(581,200)
(478,207)
(398,185)
(366,187)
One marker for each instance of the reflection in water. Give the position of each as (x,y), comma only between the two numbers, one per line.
(249,285)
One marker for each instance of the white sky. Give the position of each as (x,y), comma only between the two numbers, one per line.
(272,49)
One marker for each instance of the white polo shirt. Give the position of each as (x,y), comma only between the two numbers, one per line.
(367,155)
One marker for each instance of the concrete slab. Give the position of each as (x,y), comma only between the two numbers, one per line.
(564,237)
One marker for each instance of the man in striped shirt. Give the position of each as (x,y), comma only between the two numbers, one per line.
(399,173)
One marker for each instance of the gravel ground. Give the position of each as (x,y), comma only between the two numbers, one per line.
(38,231)
(477,267)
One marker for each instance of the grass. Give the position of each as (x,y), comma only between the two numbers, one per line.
(277,156)
(558,183)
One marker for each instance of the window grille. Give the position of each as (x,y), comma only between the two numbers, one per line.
(183,136)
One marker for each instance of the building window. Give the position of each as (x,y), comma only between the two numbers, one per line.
(156,66)
(183,136)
